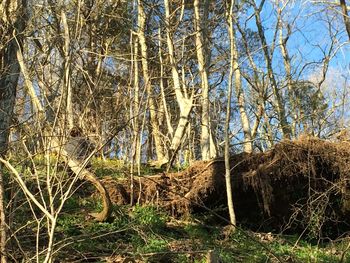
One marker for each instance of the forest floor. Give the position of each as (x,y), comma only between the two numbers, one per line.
(146,234)
(181,216)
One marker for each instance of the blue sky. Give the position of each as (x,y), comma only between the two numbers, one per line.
(311,28)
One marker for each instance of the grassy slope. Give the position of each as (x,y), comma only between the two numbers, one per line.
(147,234)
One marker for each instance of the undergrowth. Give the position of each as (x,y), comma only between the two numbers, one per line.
(148,234)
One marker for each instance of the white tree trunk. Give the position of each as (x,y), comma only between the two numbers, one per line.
(288,70)
(248,144)
(161,84)
(67,74)
(185,103)
(146,76)
(227,127)
(208,148)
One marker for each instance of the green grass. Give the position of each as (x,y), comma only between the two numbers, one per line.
(151,235)
(114,167)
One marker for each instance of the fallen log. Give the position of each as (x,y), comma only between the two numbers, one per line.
(287,186)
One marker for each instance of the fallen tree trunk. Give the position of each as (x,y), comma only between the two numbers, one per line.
(288,186)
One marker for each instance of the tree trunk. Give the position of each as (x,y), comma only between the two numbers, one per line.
(285,128)
(255,83)
(135,157)
(207,147)
(78,168)
(185,103)
(9,72)
(67,87)
(3,225)
(162,90)
(147,80)
(288,69)
(248,144)
(227,125)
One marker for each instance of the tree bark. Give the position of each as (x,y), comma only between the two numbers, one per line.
(288,69)
(67,74)
(227,124)
(12,19)
(207,146)
(185,103)
(248,144)
(147,80)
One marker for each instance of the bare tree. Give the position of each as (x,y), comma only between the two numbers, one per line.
(241,103)
(13,22)
(184,100)
(147,80)
(228,117)
(208,147)
(76,165)
(280,107)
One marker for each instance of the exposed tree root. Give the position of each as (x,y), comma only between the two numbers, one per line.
(292,184)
